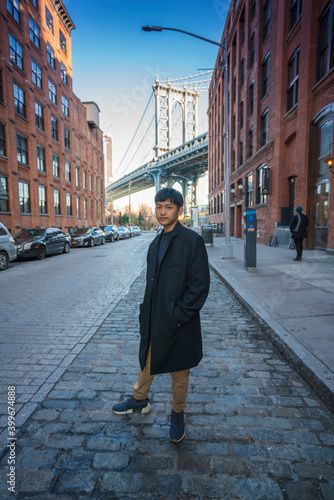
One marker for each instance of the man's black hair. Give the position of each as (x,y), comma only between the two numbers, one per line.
(170,194)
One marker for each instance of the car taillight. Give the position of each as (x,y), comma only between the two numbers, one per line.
(12,241)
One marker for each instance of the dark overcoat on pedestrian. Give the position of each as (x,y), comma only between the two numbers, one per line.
(175,292)
(298,228)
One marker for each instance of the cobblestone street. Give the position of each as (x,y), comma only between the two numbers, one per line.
(255,429)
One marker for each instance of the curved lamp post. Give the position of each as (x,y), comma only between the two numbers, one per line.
(227,247)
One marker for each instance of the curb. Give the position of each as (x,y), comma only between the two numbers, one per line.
(309,367)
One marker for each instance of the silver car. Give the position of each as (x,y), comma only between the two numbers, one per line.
(7,247)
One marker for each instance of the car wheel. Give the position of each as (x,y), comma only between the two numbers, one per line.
(103,241)
(91,242)
(3,261)
(66,248)
(41,253)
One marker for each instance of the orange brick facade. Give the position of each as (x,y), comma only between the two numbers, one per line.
(281,110)
(51,159)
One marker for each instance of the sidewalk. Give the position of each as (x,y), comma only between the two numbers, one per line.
(293,302)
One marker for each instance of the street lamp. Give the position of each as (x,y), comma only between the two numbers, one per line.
(227,247)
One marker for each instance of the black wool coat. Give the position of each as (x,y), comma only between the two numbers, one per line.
(301,232)
(175,292)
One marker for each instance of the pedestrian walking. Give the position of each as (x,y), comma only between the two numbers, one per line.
(298,225)
(177,285)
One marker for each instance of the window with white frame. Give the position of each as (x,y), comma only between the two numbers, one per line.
(52,92)
(22,149)
(77,176)
(54,128)
(63,73)
(249,190)
(55,165)
(39,115)
(68,177)
(260,197)
(78,207)
(24,197)
(48,19)
(41,158)
(56,202)
(2,140)
(42,200)
(85,208)
(67,141)
(64,105)
(62,41)
(68,204)
(15,52)
(4,194)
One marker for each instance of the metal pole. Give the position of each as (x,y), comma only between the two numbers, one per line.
(129,203)
(227,247)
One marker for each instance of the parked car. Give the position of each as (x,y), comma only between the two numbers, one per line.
(111,233)
(7,247)
(136,230)
(39,242)
(123,232)
(129,228)
(83,237)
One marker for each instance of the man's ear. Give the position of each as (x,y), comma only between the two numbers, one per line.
(180,212)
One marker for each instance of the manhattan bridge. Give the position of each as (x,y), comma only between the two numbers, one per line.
(166,147)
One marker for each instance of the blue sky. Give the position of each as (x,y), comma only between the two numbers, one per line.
(115,62)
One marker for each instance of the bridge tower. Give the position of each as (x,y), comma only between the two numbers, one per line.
(165,97)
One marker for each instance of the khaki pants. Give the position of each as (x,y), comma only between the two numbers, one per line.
(180,383)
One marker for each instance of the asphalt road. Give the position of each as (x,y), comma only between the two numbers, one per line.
(50,309)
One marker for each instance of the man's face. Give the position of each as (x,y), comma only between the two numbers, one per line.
(167,214)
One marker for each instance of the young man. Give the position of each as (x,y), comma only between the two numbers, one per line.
(298,228)
(177,285)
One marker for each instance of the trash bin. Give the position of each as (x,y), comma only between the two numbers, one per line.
(207,234)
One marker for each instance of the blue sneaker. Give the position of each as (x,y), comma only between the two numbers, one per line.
(132,405)
(177,430)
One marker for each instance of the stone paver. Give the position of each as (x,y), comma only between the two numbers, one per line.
(255,429)
(50,309)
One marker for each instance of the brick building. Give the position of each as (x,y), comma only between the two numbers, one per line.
(51,146)
(281,110)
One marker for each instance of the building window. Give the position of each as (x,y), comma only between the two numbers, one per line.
(39,114)
(264,128)
(48,19)
(77,176)
(78,207)
(295,12)
(260,197)
(242,71)
(325,60)
(63,73)
(56,202)
(68,171)
(41,158)
(266,19)
(96,208)
(36,73)
(1,89)
(54,128)
(249,190)
(91,209)
(85,209)
(233,127)
(4,195)
(64,105)
(62,41)
(242,27)
(2,140)
(96,185)
(233,160)
(67,138)
(50,55)
(214,205)
(68,204)
(252,8)
(222,202)
(55,165)
(15,52)
(13,7)
(251,98)
(91,182)
(250,143)
(52,92)
(34,33)
(252,50)
(22,149)
(265,76)
(84,180)
(42,200)
(241,114)
(293,75)
(24,196)
(19,101)
(35,4)
(241,152)
(234,90)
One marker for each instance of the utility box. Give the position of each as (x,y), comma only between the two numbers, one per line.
(207,234)
(250,231)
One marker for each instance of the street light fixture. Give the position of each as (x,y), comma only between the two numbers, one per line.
(227,247)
